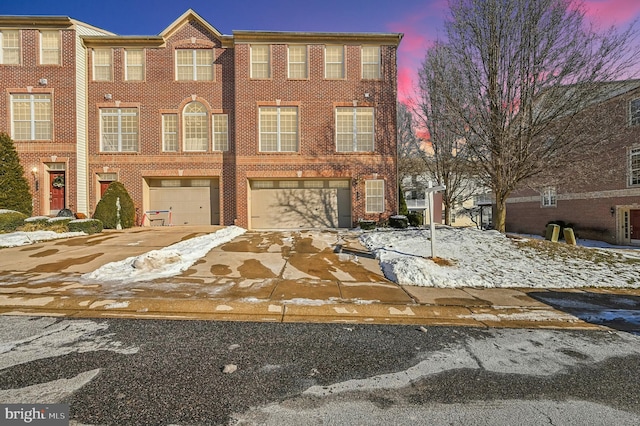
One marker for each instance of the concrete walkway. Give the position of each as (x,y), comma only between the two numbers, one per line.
(289,276)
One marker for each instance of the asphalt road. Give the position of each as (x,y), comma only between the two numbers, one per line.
(145,372)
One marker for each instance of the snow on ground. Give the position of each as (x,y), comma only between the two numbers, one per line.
(166,262)
(15,239)
(491,259)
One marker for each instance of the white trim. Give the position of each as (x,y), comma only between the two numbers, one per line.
(615,193)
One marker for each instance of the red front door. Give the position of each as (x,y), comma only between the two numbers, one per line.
(56,191)
(103,187)
(634,221)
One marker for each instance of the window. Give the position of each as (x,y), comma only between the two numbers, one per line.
(260,61)
(220,132)
(278,129)
(549,197)
(634,112)
(354,129)
(10,42)
(134,71)
(170,132)
(102,65)
(298,62)
(374,195)
(334,62)
(50,47)
(634,166)
(31,117)
(194,65)
(196,134)
(119,129)
(370,62)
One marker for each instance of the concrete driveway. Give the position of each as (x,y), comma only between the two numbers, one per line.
(302,276)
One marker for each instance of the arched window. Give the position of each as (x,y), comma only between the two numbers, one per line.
(196,127)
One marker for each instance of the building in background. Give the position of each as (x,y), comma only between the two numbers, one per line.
(606,206)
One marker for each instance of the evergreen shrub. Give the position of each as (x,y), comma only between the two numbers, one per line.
(88,226)
(107,212)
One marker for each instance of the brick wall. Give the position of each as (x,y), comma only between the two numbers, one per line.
(61,80)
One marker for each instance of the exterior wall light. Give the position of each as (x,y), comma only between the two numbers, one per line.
(36,183)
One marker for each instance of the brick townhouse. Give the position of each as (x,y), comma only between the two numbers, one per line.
(258,129)
(607,206)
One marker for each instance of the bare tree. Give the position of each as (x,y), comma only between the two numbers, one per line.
(409,152)
(517,75)
(447,161)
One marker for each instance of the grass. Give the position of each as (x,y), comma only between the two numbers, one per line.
(568,253)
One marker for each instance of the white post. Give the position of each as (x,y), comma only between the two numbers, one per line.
(432,225)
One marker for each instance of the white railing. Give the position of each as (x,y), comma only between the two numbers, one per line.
(417,204)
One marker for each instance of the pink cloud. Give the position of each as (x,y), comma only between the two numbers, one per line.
(612,12)
(420,29)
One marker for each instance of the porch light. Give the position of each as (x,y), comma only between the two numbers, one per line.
(36,184)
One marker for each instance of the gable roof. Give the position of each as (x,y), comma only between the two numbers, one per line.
(185,18)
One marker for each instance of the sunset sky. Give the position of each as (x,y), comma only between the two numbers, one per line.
(421,21)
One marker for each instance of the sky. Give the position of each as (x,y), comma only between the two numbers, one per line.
(421,21)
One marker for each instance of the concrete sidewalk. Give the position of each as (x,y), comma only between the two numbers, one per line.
(289,276)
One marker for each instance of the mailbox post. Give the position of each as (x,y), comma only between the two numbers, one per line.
(432,226)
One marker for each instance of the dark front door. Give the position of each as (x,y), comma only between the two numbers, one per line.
(56,192)
(634,221)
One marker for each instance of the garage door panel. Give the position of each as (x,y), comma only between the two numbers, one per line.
(289,208)
(189,205)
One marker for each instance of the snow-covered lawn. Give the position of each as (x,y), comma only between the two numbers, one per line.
(490,259)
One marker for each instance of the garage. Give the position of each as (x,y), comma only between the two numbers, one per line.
(191,201)
(294,204)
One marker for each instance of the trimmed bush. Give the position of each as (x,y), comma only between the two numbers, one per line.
(415,219)
(367,225)
(15,194)
(398,222)
(10,220)
(107,212)
(88,226)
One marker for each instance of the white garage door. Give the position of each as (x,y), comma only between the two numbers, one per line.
(293,204)
(191,201)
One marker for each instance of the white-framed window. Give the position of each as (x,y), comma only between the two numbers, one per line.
(194,64)
(374,196)
(260,61)
(31,117)
(634,166)
(549,197)
(134,69)
(102,65)
(278,129)
(334,62)
(220,132)
(10,47)
(50,47)
(119,129)
(298,62)
(354,129)
(170,132)
(370,56)
(634,112)
(196,127)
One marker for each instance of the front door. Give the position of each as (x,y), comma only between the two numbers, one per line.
(104,184)
(56,191)
(634,222)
